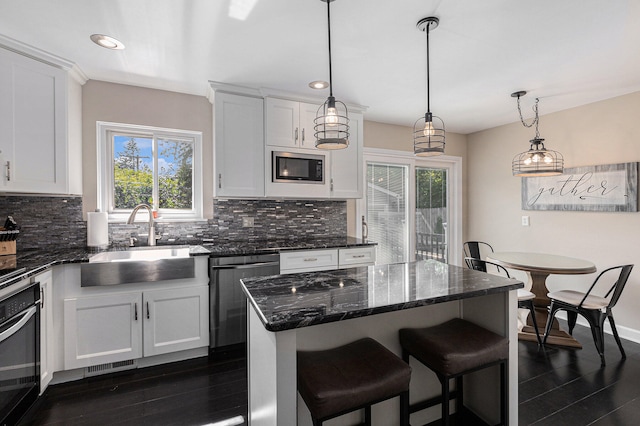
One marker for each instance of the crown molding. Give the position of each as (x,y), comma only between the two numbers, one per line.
(43,56)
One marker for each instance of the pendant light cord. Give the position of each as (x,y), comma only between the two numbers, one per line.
(329,33)
(428,103)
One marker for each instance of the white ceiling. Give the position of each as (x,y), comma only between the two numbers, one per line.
(567,53)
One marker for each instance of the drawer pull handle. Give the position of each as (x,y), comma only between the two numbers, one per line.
(358,256)
(311,259)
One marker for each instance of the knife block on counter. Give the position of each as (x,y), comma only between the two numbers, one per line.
(8,242)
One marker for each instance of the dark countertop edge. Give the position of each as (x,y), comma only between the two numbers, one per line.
(377,310)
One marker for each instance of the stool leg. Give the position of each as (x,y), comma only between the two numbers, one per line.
(367,415)
(445,400)
(459,397)
(404,408)
(504,394)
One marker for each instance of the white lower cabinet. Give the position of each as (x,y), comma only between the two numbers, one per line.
(125,326)
(356,256)
(46,329)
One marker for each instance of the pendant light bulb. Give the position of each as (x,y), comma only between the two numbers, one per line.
(331,118)
(429,130)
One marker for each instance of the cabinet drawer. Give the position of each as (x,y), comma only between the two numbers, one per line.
(360,256)
(308,261)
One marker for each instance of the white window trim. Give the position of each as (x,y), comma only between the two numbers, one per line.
(105,169)
(452,163)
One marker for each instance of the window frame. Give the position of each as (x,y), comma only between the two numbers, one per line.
(105,169)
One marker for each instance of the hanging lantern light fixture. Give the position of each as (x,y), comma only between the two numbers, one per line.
(332,119)
(537,161)
(428,131)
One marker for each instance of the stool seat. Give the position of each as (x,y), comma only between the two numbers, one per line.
(358,374)
(451,350)
(454,346)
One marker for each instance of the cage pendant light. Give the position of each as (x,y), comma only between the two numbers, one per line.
(428,131)
(332,118)
(538,160)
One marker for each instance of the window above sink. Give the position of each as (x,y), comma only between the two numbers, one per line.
(151,165)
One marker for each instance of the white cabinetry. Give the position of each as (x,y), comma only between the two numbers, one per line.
(102,329)
(290,123)
(356,256)
(175,319)
(238,145)
(130,325)
(39,130)
(46,329)
(326,259)
(346,164)
(308,261)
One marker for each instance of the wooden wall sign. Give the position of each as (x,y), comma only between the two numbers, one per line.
(602,188)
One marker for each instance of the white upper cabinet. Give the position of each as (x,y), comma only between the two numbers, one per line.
(238,122)
(346,164)
(39,132)
(290,123)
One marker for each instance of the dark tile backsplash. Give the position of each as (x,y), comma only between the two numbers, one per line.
(48,221)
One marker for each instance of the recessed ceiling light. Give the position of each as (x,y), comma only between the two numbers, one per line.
(318,84)
(107,42)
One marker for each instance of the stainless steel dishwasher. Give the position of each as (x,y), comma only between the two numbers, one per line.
(228,305)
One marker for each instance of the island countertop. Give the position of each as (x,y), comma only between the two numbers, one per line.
(285,302)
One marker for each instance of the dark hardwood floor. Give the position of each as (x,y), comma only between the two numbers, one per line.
(558,386)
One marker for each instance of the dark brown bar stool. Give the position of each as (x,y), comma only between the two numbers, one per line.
(451,350)
(357,375)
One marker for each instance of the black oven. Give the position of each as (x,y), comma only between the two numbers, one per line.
(19,350)
(295,167)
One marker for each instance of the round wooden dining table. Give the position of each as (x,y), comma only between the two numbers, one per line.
(538,267)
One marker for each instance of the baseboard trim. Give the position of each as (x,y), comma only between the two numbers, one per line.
(624,332)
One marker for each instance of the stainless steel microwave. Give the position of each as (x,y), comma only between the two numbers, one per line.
(288,167)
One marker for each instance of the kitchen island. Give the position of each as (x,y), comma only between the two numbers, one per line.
(313,311)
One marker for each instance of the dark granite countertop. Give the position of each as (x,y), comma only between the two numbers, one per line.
(31,262)
(285,302)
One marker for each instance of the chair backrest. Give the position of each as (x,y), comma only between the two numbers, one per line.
(474,249)
(616,289)
(484,266)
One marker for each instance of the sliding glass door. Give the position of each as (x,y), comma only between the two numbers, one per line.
(431,214)
(388,211)
(412,207)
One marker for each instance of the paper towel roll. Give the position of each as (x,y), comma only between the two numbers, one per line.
(97,229)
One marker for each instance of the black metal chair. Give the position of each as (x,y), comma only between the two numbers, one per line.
(525,297)
(476,249)
(595,309)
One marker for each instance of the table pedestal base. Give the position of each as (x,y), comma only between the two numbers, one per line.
(557,336)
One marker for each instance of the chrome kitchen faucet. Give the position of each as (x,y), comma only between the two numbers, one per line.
(152,230)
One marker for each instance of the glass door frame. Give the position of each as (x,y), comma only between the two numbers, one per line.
(452,164)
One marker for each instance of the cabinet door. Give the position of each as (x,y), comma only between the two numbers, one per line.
(307,133)
(176,319)
(46,329)
(102,329)
(346,164)
(33,125)
(282,122)
(239,146)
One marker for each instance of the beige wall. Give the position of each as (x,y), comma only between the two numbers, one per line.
(102,101)
(601,133)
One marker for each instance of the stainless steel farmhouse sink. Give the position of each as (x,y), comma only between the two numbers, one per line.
(145,264)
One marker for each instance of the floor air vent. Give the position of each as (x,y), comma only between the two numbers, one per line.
(110,367)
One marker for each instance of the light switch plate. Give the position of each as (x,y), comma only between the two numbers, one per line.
(247,222)
(525,220)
